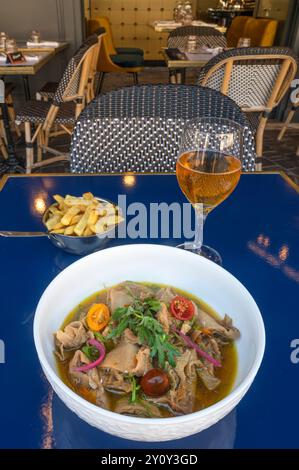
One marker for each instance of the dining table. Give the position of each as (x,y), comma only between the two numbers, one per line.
(178,61)
(166,26)
(256,232)
(37,56)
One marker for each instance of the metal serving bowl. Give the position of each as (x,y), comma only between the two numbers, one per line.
(71,244)
(79,245)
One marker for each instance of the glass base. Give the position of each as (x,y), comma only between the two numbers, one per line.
(205,251)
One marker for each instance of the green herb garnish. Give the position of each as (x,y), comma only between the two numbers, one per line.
(138,317)
(91,352)
(100,337)
(135,388)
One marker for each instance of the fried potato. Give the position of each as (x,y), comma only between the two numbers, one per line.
(75,219)
(93,218)
(69,230)
(66,219)
(81,225)
(87,232)
(76,201)
(110,209)
(105,223)
(58,226)
(52,221)
(88,196)
(61,202)
(81,216)
(55,210)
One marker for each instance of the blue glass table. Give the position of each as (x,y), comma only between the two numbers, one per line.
(256,231)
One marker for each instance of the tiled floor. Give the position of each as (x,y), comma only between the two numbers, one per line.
(279,156)
(282,155)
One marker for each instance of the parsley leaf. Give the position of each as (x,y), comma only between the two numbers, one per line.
(91,352)
(139,318)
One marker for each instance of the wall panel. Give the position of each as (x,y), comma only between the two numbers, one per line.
(131,20)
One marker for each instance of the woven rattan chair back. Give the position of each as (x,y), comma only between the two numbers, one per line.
(98,35)
(69,100)
(255,78)
(206,36)
(73,84)
(139,128)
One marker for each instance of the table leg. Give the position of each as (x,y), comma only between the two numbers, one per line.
(26,87)
(12,164)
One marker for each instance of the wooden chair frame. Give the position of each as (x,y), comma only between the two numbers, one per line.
(14,126)
(288,120)
(285,76)
(93,71)
(42,132)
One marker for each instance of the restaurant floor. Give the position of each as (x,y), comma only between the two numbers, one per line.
(278,156)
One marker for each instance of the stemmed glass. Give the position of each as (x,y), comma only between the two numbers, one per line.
(208,170)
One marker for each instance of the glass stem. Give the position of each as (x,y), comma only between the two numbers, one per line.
(200,217)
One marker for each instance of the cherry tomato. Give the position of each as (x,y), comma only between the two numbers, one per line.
(182,308)
(155,383)
(98,317)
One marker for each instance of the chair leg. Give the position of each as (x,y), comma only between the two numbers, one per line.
(3,148)
(12,115)
(40,146)
(286,123)
(2,130)
(100,83)
(135,78)
(259,139)
(29,147)
(260,136)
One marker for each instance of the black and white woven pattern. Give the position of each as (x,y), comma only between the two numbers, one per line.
(251,81)
(47,92)
(206,36)
(36,112)
(71,77)
(139,128)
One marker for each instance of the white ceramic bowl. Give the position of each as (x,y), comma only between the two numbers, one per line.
(159,264)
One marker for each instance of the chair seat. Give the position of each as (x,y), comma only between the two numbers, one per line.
(47,91)
(128,60)
(129,50)
(36,112)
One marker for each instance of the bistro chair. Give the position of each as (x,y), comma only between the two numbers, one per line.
(103,21)
(260,31)
(139,128)
(121,63)
(255,78)
(11,112)
(206,36)
(68,102)
(236,30)
(47,92)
